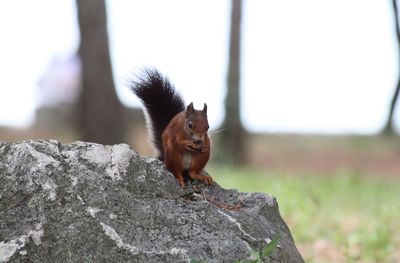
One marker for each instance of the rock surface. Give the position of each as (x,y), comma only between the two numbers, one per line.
(86,202)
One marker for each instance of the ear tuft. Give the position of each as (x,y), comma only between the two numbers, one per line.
(189,109)
(205,108)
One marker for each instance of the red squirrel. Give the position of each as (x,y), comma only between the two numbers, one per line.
(179,133)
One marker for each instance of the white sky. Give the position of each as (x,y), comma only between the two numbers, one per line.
(326,66)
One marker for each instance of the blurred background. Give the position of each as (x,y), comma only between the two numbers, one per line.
(301,99)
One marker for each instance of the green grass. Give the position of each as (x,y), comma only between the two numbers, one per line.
(342,217)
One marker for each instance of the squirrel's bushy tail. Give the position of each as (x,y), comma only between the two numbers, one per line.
(161,101)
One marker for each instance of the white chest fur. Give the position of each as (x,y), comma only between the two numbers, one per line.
(187,161)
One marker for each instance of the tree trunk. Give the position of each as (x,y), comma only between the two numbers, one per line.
(100,112)
(233,133)
(389,127)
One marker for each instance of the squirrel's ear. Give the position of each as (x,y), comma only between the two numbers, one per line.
(205,108)
(189,109)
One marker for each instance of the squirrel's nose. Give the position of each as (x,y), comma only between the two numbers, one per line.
(198,141)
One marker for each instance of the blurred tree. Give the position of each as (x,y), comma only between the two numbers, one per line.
(389,127)
(232,137)
(100,114)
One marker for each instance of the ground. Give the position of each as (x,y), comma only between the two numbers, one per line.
(339,194)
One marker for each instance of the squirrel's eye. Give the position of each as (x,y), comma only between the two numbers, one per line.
(190,125)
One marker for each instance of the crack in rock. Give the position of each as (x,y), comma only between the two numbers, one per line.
(233,220)
(93,211)
(111,233)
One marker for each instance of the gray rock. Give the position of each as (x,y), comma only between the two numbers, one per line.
(85,202)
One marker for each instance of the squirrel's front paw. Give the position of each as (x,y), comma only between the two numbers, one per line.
(203,149)
(192,147)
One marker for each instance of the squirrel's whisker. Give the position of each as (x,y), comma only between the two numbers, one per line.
(216,131)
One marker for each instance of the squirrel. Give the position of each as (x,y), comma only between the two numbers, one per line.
(179,133)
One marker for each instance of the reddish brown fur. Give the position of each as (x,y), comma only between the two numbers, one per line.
(185,146)
(179,135)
